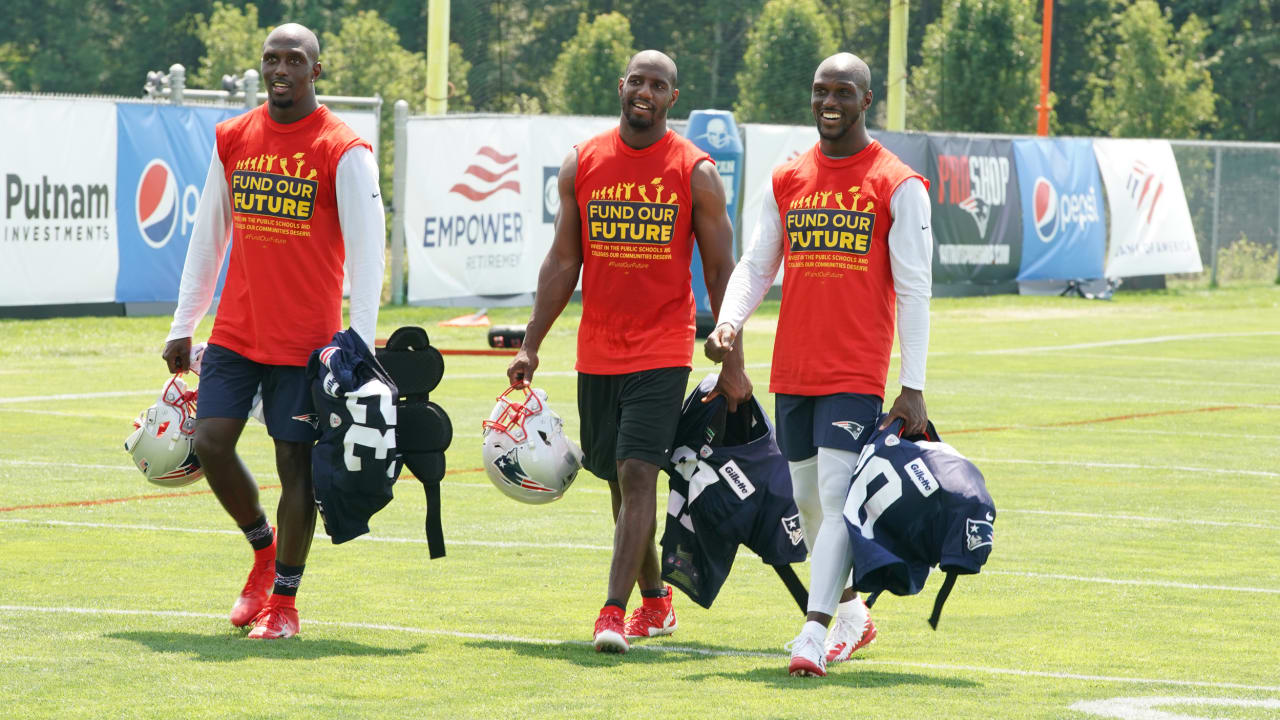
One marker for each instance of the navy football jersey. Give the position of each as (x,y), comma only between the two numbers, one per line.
(355,463)
(913,506)
(729,486)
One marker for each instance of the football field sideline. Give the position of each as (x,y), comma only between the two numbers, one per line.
(709,652)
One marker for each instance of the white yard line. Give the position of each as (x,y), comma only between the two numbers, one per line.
(496,637)
(1127,466)
(609,548)
(1125,341)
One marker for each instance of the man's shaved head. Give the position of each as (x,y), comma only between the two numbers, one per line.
(846,66)
(295,35)
(655,59)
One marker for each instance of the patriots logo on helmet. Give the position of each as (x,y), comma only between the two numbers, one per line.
(978,533)
(511,471)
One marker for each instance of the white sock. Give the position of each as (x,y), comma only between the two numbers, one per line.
(814,630)
(852,610)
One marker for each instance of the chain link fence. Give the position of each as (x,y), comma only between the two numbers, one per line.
(1233,192)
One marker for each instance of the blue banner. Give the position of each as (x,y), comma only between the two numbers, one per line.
(1063,235)
(715,132)
(164,153)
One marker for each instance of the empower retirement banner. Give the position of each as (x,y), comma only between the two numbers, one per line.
(1151,231)
(58,229)
(480,201)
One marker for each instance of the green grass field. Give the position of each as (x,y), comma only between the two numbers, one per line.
(1130,446)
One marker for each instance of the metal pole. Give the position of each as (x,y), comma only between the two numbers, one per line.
(437,57)
(177,81)
(1046,49)
(398,203)
(1217,191)
(251,89)
(897,78)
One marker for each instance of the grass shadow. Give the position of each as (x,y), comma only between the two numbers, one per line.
(233,647)
(845,675)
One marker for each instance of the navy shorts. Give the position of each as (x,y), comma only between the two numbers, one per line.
(842,421)
(630,416)
(229,380)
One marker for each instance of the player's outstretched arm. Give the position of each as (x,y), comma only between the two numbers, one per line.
(750,281)
(364,231)
(556,279)
(714,232)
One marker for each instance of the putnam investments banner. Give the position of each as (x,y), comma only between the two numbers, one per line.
(58,228)
(1151,232)
(977,219)
(481,201)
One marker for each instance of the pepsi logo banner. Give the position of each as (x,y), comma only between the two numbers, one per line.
(164,154)
(977,218)
(1063,235)
(1151,231)
(58,223)
(480,202)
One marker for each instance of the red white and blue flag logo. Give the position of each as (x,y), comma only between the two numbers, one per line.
(1044,207)
(490,172)
(156,205)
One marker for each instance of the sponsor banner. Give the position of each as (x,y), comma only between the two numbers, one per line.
(911,148)
(481,197)
(364,123)
(164,153)
(977,219)
(58,226)
(768,146)
(1063,235)
(1151,232)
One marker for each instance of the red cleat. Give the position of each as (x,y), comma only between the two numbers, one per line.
(847,637)
(257,588)
(807,657)
(277,621)
(654,617)
(610,635)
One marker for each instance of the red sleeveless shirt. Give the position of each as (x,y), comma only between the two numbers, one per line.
(636,210)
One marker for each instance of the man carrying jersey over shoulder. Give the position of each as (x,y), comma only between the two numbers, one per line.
(296,192)
(851,221)
(631,200)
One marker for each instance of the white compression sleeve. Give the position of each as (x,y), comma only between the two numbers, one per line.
(757,268)
(911,261)
(363,222)
(804,489)
(832,557)
(205,252)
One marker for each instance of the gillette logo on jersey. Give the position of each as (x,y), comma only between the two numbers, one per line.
(814,226)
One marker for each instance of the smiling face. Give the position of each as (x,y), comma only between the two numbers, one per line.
(838,100)
(290,69)
(648,91)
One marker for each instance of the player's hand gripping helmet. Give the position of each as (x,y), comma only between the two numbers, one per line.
(163,443)
(526,453)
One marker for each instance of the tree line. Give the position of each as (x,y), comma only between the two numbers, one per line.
(1122,68)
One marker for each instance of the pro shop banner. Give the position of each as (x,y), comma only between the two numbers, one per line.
(977,219)
(1151,231)
(1063,235)
(164,153)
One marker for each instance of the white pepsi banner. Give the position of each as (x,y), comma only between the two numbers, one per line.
(1151,231)
(768,146)
(1063,235)
(481,199)
(58,228)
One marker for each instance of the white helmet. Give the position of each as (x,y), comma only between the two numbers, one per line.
(163,445)
(526,453)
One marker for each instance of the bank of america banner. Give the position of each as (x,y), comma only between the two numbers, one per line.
(480,201)
(58,228)
(1063,235)
(1151,232)
(977,219)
